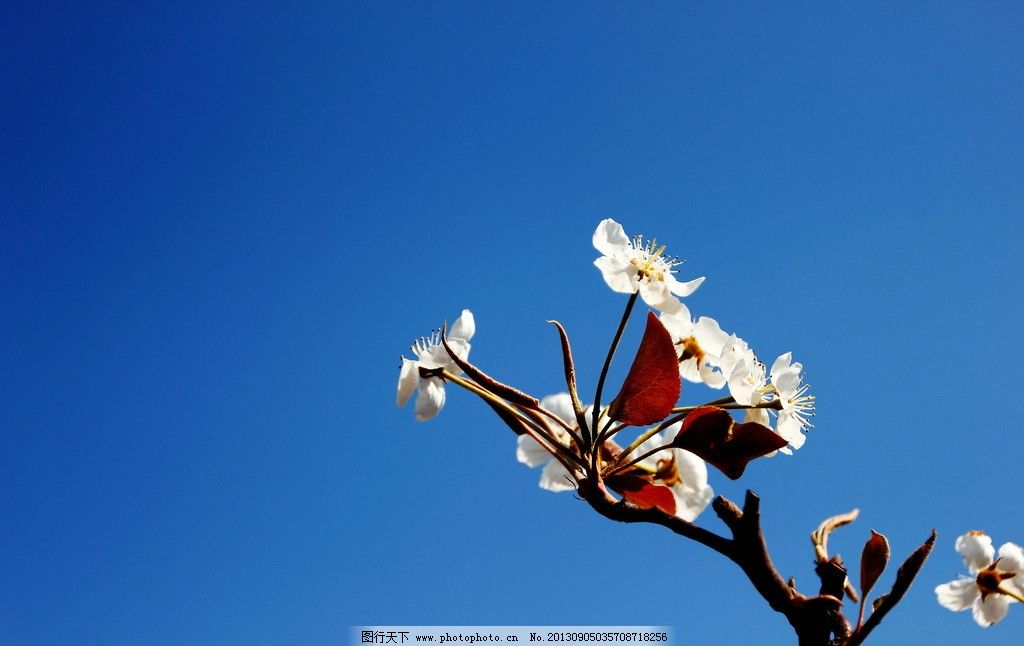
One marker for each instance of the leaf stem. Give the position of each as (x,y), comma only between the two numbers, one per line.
(607,364)
(541,435)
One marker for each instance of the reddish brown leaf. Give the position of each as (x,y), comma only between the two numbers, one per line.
(904,577)
(644,494)
(873,561)
(711,433)
(652,386)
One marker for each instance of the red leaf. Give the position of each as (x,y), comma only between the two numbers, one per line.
(710,433)
(644,494)
(873,561)
(652,386)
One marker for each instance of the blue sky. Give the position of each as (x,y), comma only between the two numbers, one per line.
(224,222)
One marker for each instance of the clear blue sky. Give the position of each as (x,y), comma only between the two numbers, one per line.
(223,222)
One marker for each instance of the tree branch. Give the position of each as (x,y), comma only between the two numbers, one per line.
(809,616)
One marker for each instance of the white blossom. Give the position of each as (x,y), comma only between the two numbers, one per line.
(797,405)
(629,266)
(996,584)
(700,344)
(554,476)
(431,355)
(679,470)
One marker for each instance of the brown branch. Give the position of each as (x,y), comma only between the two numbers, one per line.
(809,616)
(624,512)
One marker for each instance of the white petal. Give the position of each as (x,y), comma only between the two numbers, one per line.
(735,349)
(656,294)
(710,336)
(693,473)
(787,382)
(407,380)
(991,610)
(464,328)
(710,376)
(530,452)
(671,431)
(684,289)
(618,274)
(958,595)
(691,502)
(781,364)
(740,387)
(555,478)
(977,550)
(688,370)
(430,398)
(790,428)
(679,324)
(435,356)
(611,239)
(1011,558)
(561,405)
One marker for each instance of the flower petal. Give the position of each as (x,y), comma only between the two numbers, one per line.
(407,380)
(791,429)
(679,324)
(430,398)
(991,610)
(688,370)
(780,364)
(530,452)
(976,548)
(958,595)
(711,377)
(611,239)
(555,478)
(463,328)
(435,356)
(684,289)
(1011,558)
(657,294)
(710,336)
(618,274)
(693,472)
(691,502)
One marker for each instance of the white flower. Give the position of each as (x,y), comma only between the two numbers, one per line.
(797,405)
(749,385)
(995,584)
(701,344)
(554,476)
(430,355)
(629,266)
(679,470)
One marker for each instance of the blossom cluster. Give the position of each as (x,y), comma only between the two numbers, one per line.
(664,466)
(708,355)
